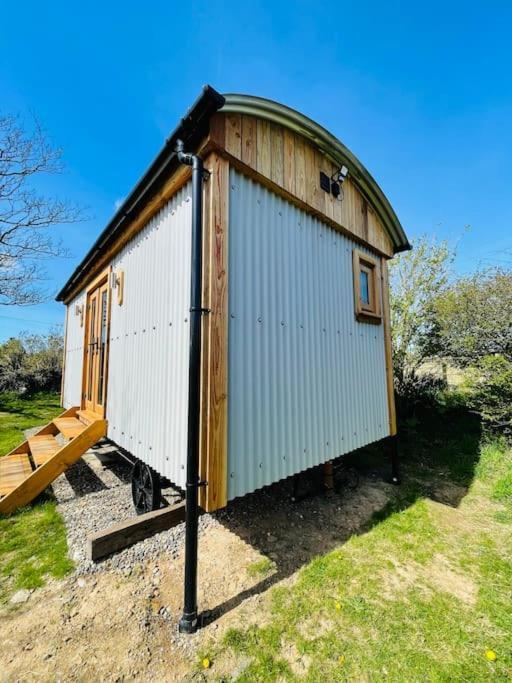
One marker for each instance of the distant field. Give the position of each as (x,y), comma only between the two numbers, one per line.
(453,375)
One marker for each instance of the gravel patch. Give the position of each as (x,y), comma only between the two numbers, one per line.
(95,493)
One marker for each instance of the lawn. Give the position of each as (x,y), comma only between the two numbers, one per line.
(18,413)
(33,540)
(422,594)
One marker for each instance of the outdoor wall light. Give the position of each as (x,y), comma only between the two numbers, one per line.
(79,311)
(341,175)
(117,282)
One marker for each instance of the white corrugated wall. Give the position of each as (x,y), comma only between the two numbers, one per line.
(147,391)
(307,382)
(74,354)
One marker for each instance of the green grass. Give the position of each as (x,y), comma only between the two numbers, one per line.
(32,546)
(260,567)
(420,595)
(19,412)
(33,540)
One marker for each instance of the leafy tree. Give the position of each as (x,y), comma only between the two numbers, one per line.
(473,318)
(417,278)
(26,215)
(490,385)
(31,363)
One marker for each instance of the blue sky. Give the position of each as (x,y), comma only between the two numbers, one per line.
(421,94)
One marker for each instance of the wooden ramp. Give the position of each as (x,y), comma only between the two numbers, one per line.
(27,470)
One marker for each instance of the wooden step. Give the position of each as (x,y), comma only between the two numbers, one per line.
(87,416)
(14,469)
(43,447)
(69,427)
(19,485)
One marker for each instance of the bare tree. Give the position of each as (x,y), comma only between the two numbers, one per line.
(26,214)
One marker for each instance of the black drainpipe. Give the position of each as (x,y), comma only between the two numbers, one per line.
(188,622)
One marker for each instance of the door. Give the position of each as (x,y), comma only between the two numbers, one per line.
(96,347)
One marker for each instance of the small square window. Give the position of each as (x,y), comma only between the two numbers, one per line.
(366,288)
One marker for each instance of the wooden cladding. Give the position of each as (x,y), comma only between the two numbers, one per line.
(292,163)
(386,317)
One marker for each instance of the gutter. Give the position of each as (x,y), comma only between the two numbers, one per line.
(189,130)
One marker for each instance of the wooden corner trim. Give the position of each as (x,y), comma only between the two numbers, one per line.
(214,364)
(388,347)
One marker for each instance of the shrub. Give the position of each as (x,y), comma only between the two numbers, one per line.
(31,363)
(490,385)
(413,390)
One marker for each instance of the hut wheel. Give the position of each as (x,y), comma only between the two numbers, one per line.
(146,489)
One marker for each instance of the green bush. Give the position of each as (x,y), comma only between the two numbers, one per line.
(31,363)
(490,386)
(413,390)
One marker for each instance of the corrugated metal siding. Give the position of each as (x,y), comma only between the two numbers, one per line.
(74,354)
(147,391)
(307,382)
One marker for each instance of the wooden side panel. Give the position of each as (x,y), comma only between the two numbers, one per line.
(214,418)
(386,318)
(249,141)
(289,161)
(276,154)
(292,164)
(263,149)
(234,135)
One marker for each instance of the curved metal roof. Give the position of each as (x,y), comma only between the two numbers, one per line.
(331,147)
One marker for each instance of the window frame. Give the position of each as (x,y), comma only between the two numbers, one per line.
(372,312)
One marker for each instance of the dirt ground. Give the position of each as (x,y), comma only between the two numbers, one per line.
(120,626)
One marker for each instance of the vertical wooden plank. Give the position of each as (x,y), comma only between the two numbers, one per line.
(205,335)
(289,161)
(249,141)
(263,149)
(314,194)
(276,154)
(300,168)
(215,419)
(364,218)
(329,200)
(218,129)
(234,135)
(386,318)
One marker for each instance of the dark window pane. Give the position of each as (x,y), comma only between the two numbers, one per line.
(103,341)
(90,354)
(365,288)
